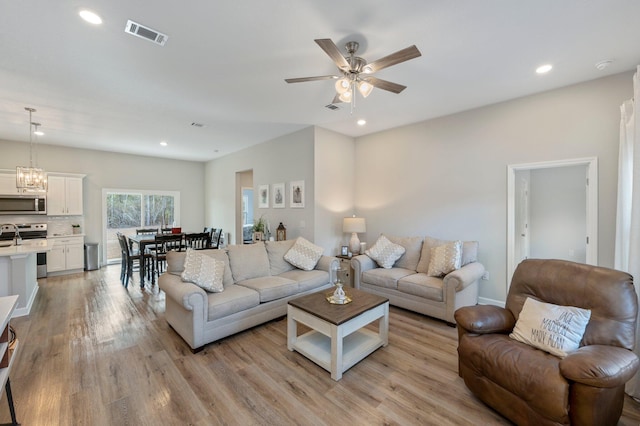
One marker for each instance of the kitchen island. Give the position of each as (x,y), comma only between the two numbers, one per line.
(18,272)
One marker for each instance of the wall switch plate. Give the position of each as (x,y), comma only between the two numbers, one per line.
(485,276)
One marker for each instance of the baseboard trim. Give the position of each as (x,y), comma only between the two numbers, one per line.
(485,301)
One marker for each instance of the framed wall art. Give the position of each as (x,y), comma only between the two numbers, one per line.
(278,196)
(263,196)
(296,191)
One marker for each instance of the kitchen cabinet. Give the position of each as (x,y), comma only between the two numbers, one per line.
(64,195)
(8,184)
(7,350)
(67,254)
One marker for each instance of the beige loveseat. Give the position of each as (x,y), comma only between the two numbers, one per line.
(257,281)
(407,285)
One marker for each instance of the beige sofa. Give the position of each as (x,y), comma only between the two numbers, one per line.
(258,283)
(407,284)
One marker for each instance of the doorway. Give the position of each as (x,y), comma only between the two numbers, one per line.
(552,212)
(244,205)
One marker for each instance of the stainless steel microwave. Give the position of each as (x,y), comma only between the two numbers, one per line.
(23,204)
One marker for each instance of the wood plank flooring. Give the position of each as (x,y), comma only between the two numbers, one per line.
(95,353)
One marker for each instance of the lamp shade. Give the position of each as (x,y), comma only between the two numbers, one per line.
(354,224)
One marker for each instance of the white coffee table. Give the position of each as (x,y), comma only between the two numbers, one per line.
(337,340)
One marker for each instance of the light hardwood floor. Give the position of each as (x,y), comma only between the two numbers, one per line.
(94,353)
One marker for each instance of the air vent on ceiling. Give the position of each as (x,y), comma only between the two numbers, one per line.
(195,124)
(146,33)
(332,107)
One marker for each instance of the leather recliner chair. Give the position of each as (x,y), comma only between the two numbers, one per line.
(530,386)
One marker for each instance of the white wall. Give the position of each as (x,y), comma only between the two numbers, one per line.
(282,160)
(118,171)
(447,177)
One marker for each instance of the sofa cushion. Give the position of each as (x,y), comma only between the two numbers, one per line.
(248,261)
(271,288)
(307,280)
(304,254)
(552,328)
(422,285)
(469,252)
(445,258)
(233,299)
(411,256)
(276,251)
(175,263)
(204,271)
(384,252)
(387,278)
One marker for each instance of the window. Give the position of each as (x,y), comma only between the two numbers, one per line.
(126,210)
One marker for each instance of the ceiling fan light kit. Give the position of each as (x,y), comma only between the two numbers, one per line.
(351,67)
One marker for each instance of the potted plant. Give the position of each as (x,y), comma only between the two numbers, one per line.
(75,228)
(259,228)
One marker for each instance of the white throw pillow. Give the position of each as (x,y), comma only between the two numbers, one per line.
(552,328)
(204,271)
(304,254)
(384,252)
(445,258)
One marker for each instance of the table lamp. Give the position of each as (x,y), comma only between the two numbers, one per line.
(354,225)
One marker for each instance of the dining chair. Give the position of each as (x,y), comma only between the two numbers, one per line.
(217,236)
(164,243)
(168,230)
(129,259)
(198,241)
(146,231)
(209,231)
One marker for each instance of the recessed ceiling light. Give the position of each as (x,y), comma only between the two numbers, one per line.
(362,122)
(163,143)
(543,69)
(38,132)
(603,64)
(90,17)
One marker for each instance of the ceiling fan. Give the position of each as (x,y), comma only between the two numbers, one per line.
(356,72)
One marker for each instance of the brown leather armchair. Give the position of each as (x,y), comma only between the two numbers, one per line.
(530,386)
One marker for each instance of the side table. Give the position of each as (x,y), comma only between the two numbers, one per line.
(345,264)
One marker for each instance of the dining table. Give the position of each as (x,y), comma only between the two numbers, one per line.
(144,240)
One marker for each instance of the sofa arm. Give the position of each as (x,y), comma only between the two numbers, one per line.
(186,294)
(484,319)
(463,277)
(600,366)
(328,263)
(360,264)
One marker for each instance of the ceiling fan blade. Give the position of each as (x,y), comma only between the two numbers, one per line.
(395,58)
(336,99)
(385,85)
(332,50)
(303,79)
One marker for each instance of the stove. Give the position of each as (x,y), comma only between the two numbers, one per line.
(29,231)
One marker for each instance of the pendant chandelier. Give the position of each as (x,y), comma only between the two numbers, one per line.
(31,179)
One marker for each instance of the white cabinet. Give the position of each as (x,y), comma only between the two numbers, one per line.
(64,196)
(8,184)
(67,254)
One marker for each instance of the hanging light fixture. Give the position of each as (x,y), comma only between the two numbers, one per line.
(31,179)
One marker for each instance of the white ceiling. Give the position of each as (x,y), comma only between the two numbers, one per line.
(225,62)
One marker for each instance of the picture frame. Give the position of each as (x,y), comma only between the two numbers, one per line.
(296,194)
(263,196)
(278,195)
(344,251)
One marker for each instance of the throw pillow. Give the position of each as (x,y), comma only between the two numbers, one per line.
(304,254)
(204,271)
(445,258)
(384,252)
(552,328)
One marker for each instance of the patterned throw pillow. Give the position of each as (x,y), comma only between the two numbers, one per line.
(552,328)
(204,271)
(445,258)
(384,252)
(304,254)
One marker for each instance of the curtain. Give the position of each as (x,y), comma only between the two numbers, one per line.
(627,243)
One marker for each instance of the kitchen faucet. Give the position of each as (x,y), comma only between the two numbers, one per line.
(17,240)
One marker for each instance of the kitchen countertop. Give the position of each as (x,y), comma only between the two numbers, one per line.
(27,247)
(64,235)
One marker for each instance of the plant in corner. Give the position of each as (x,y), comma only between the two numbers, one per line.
(259,227)
(75,228)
